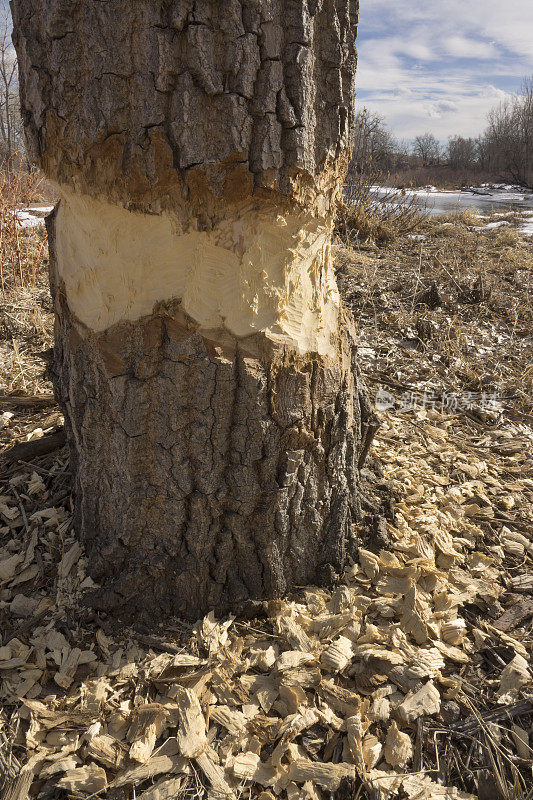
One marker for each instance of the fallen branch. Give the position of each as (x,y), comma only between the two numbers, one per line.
(36,447)
(27,401)
(157,644)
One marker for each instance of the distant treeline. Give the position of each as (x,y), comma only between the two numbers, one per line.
(503,152)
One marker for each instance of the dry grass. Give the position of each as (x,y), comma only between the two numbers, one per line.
(475,333)
(367,218)
(25,304)
(22,250)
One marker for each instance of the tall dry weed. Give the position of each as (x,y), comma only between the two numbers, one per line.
(22,250)
(369,216)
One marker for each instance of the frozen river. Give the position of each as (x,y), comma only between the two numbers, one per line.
(483,200)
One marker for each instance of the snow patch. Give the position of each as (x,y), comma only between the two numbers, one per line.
(527,227)
(31,217)
(499,224)
(26,220)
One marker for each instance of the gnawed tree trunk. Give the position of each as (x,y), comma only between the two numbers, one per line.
(203,360)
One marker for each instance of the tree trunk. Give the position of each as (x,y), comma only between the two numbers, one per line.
(203,360)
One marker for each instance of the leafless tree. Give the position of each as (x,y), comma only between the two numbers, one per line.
(375,147)
(11,137)
(427,148)
(462,153)
(508,140)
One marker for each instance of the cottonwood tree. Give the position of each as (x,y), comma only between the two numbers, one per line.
(427,148)
(462,153)
(203,360)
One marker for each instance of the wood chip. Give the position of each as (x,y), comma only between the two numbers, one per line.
(514,676)
(107,751)
(234,721)
(88,779)
(372,750)
(328,776)
(147,724)
(165,789)
(249,767)
(521,740)
(69,665)
(294,658)
(398,747)
(192,737)
(69,559)
(338,655)
(157,765)
(412,787)
(208,763)
(424,702)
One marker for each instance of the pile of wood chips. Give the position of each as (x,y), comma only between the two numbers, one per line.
(358,689)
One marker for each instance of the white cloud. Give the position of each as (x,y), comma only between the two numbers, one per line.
(506,24)
(402,91)
(417,50)
(437,110)
(442,65)
(494,93)
(462,47)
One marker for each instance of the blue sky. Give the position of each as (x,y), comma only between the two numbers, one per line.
(440,65)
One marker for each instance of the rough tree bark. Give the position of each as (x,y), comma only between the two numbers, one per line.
(203,360)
